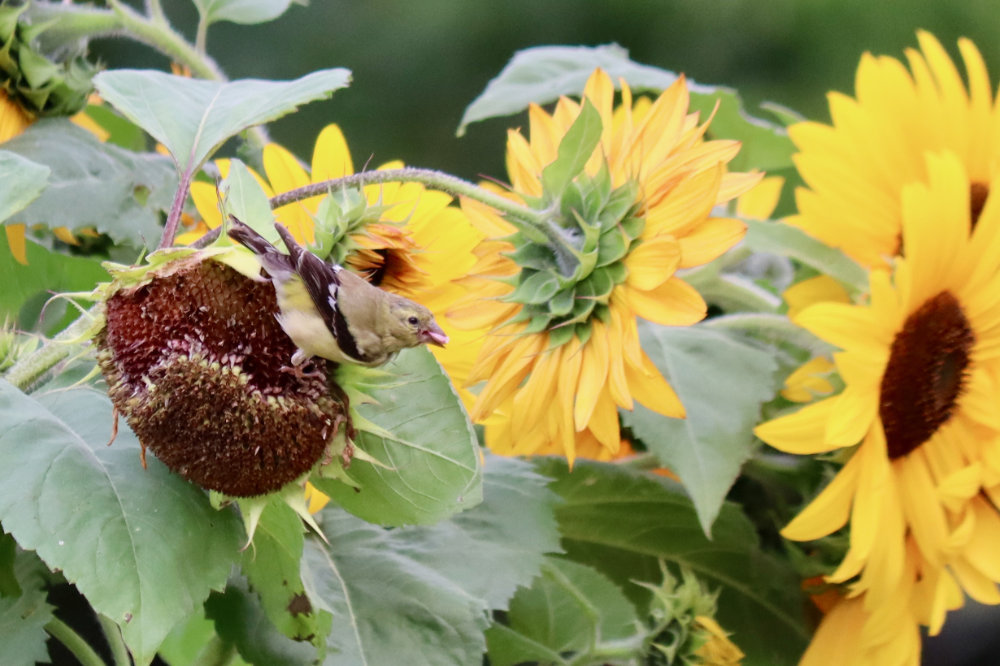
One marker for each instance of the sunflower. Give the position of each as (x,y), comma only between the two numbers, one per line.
(407,239)
(919,365)
(856,169)
(403,237)
(562,351)
(850,634)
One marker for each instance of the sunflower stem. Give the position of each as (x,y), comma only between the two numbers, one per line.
(176,208)
(73,642)
(437,180)
(27,370)
(772,327)
(154,32)
(113,634)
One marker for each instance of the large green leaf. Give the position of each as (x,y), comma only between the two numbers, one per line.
(241,620)
(24,612)
(21,181)
(245,12)
(623,522)
(722,382)
(543,73)
(420,595)
(569,609)
(192,118)
(94,184)
(271,565)
(27,288)
(144,546)
(421,435)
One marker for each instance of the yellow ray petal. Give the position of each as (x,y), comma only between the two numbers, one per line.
(829,511)
(673,303)
(802,432)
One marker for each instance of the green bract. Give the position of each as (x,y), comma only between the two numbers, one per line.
(42,86)
(573,261)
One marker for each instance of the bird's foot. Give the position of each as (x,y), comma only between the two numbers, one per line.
(304,367)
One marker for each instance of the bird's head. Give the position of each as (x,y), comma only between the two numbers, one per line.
(411,324)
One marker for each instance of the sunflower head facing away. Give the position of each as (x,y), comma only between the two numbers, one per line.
(624,198)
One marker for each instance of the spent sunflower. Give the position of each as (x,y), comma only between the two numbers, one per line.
(919,365)
(561,351)
(855,169)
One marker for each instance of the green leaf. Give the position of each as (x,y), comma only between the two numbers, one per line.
(722,381)
(239,619)
(246,199)
(126,537)
(271,565)
(423,438)
(27,288)
(420,595)
(21,181)
(788,241)
(193,118)
(244,12)
(542,74)
(23,616)
(569,610)
(94,184)
(622,522)
(575,149)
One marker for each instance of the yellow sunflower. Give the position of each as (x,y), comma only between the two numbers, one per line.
(855,169)
(410,240)
(919,365)
(562,351)
(850,634)
(415,244)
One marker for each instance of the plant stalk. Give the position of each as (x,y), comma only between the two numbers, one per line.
(431,178)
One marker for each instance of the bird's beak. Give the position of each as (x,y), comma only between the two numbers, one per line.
(434,336)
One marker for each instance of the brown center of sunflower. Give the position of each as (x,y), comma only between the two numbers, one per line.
(926,373)
(978,193)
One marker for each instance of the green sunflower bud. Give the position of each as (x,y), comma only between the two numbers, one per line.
(684,631)
(41,84)
(197,362)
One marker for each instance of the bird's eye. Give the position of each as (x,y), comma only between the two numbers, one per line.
(413,321)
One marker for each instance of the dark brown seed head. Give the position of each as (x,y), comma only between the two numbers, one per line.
(197,362)
(926,373)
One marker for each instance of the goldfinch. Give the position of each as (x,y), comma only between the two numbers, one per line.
(330,312)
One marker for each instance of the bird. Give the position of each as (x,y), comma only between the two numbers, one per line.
(330,312)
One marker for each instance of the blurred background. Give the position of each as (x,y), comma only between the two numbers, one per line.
(417,65)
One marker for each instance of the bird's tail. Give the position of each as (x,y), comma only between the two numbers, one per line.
(242,233)
(273,261)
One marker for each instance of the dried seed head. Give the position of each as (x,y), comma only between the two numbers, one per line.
(197,362)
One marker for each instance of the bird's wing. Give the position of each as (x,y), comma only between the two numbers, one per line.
(322,281)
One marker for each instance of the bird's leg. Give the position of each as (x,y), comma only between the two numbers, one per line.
(300,367)
(341,395)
